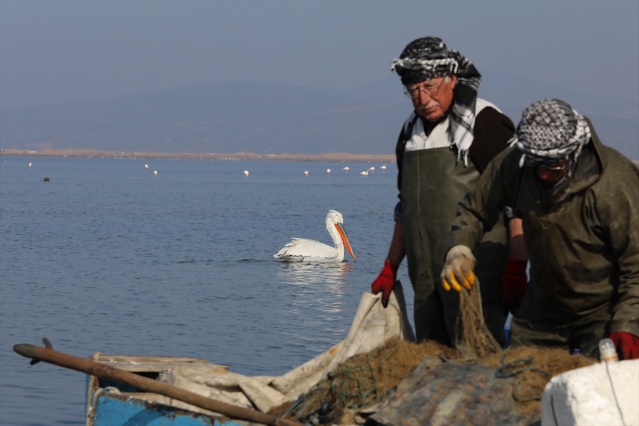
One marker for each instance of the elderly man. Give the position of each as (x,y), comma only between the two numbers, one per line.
(579,201)
(442,148)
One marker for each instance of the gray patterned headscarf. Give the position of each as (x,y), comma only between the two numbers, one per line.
(427,58)
(549,131)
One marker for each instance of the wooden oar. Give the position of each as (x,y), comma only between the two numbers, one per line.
(148,385)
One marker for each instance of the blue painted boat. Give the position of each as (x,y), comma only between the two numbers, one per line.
(111,403)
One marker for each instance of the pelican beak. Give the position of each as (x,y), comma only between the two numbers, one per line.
(342,234)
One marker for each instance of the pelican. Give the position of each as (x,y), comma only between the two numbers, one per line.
(301,249)
(346,168)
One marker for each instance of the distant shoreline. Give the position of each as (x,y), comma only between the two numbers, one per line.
(338,157)
(333,157)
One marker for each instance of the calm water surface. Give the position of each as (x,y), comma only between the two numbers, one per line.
(109,257)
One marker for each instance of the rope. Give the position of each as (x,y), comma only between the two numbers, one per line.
(515,368)
(612,386)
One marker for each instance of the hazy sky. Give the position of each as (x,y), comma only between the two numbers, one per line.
(62,51)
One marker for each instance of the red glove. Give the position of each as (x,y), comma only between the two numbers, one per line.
(385,281)
(627,344)
(513,285)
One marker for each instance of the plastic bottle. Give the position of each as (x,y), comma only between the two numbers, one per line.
(607,351)
(509,320)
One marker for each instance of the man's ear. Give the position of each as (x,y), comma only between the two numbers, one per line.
(453,82)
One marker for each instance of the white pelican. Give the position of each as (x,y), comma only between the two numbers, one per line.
(346,168)
(304,250)
(364,173)
(246,172)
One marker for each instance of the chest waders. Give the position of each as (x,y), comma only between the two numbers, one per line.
(433,183)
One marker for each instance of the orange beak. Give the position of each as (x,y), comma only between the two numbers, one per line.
(347,244)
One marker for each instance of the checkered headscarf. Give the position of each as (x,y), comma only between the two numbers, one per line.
(427,58)
(549,131)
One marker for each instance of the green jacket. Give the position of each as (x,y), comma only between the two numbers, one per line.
(583,244)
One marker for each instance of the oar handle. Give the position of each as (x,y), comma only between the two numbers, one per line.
(148,385)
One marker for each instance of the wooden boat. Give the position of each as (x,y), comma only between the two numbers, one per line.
(111,403)
(129,390)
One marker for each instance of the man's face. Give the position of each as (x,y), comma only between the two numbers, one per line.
(552,173)
(432,98)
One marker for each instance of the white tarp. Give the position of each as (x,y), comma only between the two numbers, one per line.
(372,326)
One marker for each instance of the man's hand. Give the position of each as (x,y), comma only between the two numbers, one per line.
(627,344)
(385,281)
(458,269)
(513,285)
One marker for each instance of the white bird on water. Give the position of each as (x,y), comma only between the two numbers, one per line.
(364,173)
(246,172)
(304,250)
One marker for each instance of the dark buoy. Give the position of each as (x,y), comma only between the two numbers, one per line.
(46,179)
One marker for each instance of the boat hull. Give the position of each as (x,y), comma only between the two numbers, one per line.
(111,403)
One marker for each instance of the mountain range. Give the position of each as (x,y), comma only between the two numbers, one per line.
(269,118)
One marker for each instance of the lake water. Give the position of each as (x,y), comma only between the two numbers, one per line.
(109,257)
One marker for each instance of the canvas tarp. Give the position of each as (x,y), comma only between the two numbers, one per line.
(372,326)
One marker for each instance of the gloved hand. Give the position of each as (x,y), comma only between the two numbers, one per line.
(513,285)
(626,343)
(385,281)
(458,269)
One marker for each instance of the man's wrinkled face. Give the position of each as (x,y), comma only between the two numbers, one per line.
(432,98)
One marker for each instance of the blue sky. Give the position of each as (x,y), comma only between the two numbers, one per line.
(65,51)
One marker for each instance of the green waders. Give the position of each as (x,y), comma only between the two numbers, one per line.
(433,183)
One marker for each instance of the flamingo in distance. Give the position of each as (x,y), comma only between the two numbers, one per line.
(304,250)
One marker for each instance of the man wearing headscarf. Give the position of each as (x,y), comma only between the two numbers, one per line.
(579,201)
(443,146)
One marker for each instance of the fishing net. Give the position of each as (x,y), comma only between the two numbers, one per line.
(474,339)
(429,384)
(365,379)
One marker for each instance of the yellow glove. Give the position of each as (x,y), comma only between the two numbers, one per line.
(458,269)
